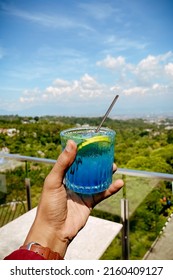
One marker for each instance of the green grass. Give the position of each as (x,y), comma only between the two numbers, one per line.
(137,188)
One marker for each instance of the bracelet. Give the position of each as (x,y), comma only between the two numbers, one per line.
(45,252)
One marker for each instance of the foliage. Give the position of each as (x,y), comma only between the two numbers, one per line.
(139,144)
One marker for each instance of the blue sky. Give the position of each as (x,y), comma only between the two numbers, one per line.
(72,57)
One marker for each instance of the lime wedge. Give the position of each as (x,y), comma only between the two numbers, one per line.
(94,139)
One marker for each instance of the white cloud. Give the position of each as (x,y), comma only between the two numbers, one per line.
(150,70)
(169,69)
(61,90)
(112,62)
(45,19)
(154,63)
(135,90)
(161,88)
(148,63)
(118,43)
(30,96)
(27,99)
(147,78)
(98,11)
(156,86)
(86,87)
(153,69)
(61,83)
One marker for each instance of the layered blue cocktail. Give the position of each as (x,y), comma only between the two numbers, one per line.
(91,172)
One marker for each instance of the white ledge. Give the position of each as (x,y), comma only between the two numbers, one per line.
(89,244)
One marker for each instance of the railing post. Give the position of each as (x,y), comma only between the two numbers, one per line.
(28,193)
(125,229)
(26,168)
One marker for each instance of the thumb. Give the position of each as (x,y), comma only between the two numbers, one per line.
(63,162)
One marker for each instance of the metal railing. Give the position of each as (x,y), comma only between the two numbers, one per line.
(10,210)
(123,171)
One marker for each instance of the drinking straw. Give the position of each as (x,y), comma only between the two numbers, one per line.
(107,113)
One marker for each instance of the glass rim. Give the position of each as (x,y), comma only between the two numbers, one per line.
(87,128)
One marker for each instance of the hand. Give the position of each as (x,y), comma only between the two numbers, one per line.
(62,213)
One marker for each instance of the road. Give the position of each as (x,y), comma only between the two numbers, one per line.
(163,247)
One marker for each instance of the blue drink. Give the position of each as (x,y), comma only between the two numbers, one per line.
(91,172)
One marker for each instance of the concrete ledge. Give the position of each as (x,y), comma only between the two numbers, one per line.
(90,243)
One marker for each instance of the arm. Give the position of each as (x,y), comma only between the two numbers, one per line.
(62,213)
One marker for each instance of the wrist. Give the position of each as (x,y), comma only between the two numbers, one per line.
(44,252)
(47,238)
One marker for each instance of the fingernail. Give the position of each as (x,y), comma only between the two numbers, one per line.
(69,147)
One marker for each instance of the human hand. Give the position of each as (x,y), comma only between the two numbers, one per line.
(62,213)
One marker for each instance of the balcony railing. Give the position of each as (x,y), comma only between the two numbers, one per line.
(138,185)
(123,171)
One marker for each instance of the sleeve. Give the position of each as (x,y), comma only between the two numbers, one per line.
(23,254)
